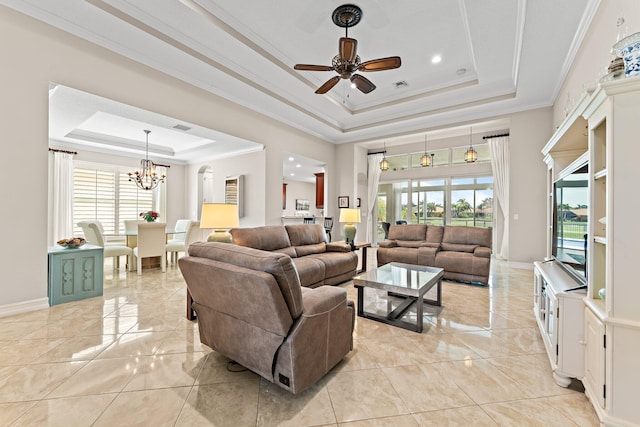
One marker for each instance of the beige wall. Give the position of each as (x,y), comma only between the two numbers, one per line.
(594,56)
(35,54)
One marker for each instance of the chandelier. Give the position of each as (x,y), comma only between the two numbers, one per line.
(471,155)
(146,178)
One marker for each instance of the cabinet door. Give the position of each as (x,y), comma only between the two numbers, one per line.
(594,354)
(319,190)
(552,323)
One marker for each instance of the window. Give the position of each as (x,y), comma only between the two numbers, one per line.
(455,201)
(106,195)
(472,201)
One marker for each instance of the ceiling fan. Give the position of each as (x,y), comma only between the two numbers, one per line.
(347,61)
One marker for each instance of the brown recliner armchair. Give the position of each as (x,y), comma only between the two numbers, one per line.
(252,309)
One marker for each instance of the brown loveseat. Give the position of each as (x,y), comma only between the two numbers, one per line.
(463,252)
(252,309)
(317,261)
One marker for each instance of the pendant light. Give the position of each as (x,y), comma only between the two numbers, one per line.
(384,164)
(471,155)
(146,178)
(426,160)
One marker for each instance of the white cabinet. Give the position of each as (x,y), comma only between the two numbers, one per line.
(611,314)
(559,307)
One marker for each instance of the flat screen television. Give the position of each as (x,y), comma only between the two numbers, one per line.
(571,222)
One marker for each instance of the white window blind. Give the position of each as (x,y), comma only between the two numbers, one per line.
(131,200)
(106,195)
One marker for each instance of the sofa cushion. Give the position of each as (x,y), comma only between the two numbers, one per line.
(467,235)
(305,250)
(458,247)
(268,238)
(434,234)
(305,234)
(405,255)
(337,263)
(409,243)
(310,270)
(387,244)
(408,232)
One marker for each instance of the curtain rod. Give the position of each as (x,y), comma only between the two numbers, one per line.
(495,136)
(62,151)
(377,152)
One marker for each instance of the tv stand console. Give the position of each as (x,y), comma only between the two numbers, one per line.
(559,310)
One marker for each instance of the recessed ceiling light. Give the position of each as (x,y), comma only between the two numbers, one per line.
(436,59)
(291,159)
(298,165)
(292,174)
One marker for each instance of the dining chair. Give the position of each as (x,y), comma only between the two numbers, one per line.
(309,220)
(131,226)
(328,225)
(151,243)
(187,232)
(94,235)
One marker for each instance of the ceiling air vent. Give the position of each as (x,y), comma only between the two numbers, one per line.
(400,84)
(182,127)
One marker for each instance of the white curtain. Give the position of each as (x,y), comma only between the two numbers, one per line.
(160,194)
(373,179)
(499,148)
(62,196)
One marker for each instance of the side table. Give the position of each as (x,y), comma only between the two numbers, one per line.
(364,246)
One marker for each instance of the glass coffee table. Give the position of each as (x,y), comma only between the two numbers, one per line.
(408,281)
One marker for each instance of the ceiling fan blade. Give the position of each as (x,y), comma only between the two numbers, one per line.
(328,85)
(381,64)
(362,83)
(306,67)
(347,49)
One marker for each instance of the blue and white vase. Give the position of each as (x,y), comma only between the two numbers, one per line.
(629,50)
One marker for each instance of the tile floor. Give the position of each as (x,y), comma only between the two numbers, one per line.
(131,358)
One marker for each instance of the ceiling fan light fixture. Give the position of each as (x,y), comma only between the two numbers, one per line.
(347,61)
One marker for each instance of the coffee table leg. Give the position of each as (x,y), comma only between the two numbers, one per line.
(360,301)
(419,320)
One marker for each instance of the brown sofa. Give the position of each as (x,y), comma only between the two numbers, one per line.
(318,262)
(252,309)
(463,252)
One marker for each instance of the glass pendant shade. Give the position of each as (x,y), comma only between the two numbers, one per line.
(471,155)
(384,164)
(426,160)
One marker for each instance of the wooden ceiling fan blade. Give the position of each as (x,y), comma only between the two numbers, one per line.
(348,49)
(307,67)
(326,87)
(363,84)
(381,64)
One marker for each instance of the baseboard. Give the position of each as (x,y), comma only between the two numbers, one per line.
(521,265)
(24,307)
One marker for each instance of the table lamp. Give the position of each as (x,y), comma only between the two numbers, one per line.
(350,216)
(220,217)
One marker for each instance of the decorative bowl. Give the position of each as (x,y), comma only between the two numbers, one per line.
(629,49)
(74,242)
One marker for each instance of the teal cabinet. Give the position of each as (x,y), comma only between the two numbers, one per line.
(75,274)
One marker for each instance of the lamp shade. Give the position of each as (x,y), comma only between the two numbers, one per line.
(350,215)
(219,216)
